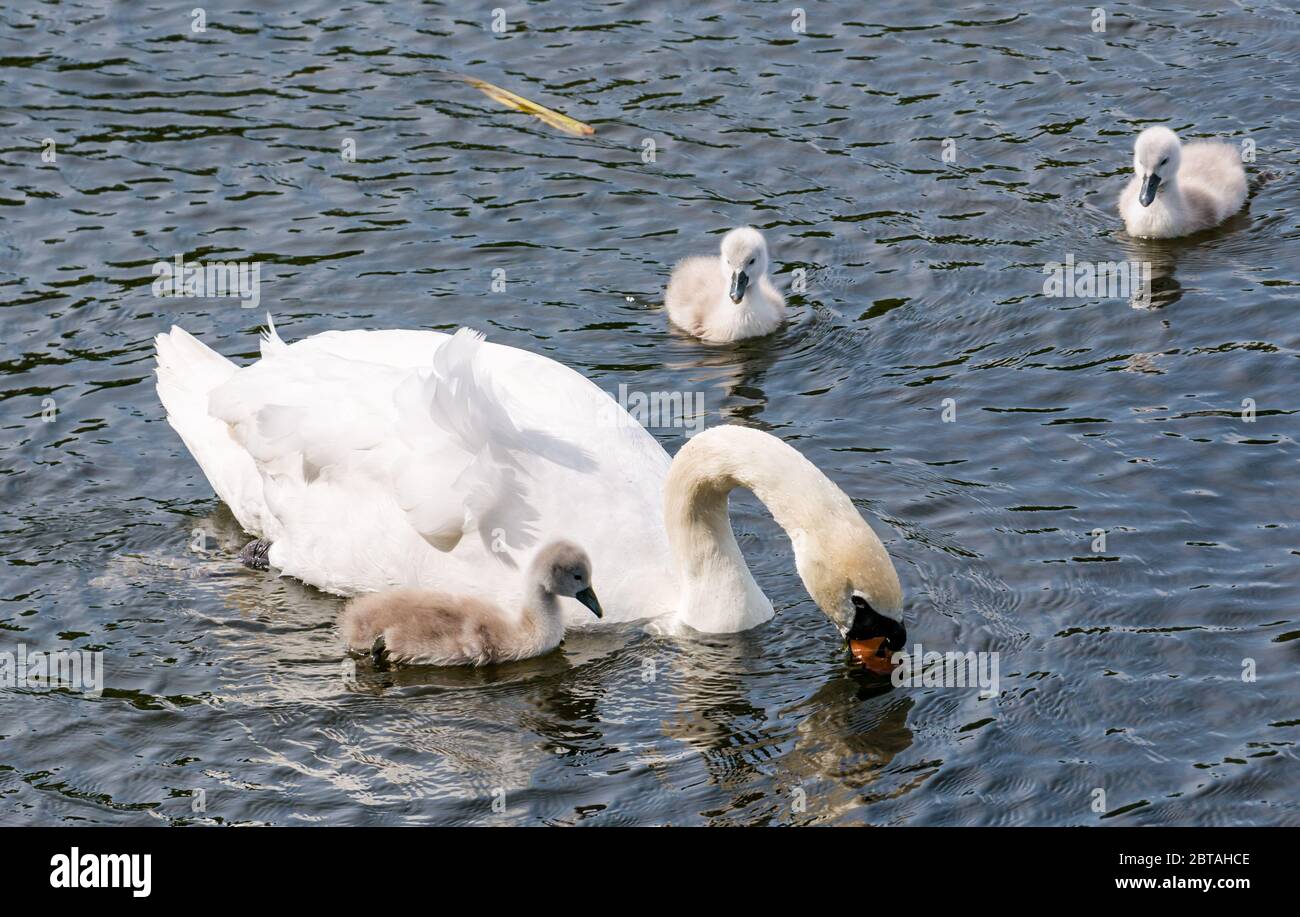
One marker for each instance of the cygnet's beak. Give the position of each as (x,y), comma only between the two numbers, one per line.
(588,597)
(739,283)
(1149,190)
(874,639)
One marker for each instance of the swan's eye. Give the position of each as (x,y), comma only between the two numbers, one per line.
(1164,161)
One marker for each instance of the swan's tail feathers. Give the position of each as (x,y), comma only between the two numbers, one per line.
(188,371)
(456,397)
(187,368)
(272,343)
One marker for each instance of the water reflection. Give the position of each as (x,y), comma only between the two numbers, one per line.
(1164,289)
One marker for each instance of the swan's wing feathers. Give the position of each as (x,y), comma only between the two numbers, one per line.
(459,398)
(434,508)
(497,505)
(465,401)
(324,420)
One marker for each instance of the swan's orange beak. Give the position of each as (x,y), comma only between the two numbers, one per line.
(874,638)
(873,654)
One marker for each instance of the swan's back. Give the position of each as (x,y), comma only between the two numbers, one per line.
(694,290)
(1213,179)
(385,459)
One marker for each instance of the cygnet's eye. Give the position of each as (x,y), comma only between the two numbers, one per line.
(1164,161)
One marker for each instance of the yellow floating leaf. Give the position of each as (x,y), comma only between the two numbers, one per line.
(519,103)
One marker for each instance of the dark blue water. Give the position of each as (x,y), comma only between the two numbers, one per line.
(1121,669)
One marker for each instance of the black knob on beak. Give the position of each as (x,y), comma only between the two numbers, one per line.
(869,623)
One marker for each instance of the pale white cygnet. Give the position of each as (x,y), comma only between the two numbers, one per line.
(419,627)
(726,298)
(1177,190)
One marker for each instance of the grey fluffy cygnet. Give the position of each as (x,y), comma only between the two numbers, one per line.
(418,627)
(729,297)
(1177,190)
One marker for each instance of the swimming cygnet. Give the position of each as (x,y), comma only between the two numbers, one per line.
(415,626)
(1178,190)
(728,298)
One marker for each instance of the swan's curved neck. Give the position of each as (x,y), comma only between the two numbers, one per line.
(718,592)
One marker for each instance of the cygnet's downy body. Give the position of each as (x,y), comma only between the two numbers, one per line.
(729,297)
(1177,190)
(418,627)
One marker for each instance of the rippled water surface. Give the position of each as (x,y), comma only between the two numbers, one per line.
(1121,668)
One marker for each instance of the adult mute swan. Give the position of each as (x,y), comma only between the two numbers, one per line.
(433,628)
(727,298)
(1177,190)
(373,460)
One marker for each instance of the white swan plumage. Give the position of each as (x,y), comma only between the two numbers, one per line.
(1177,190)
(374,460)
